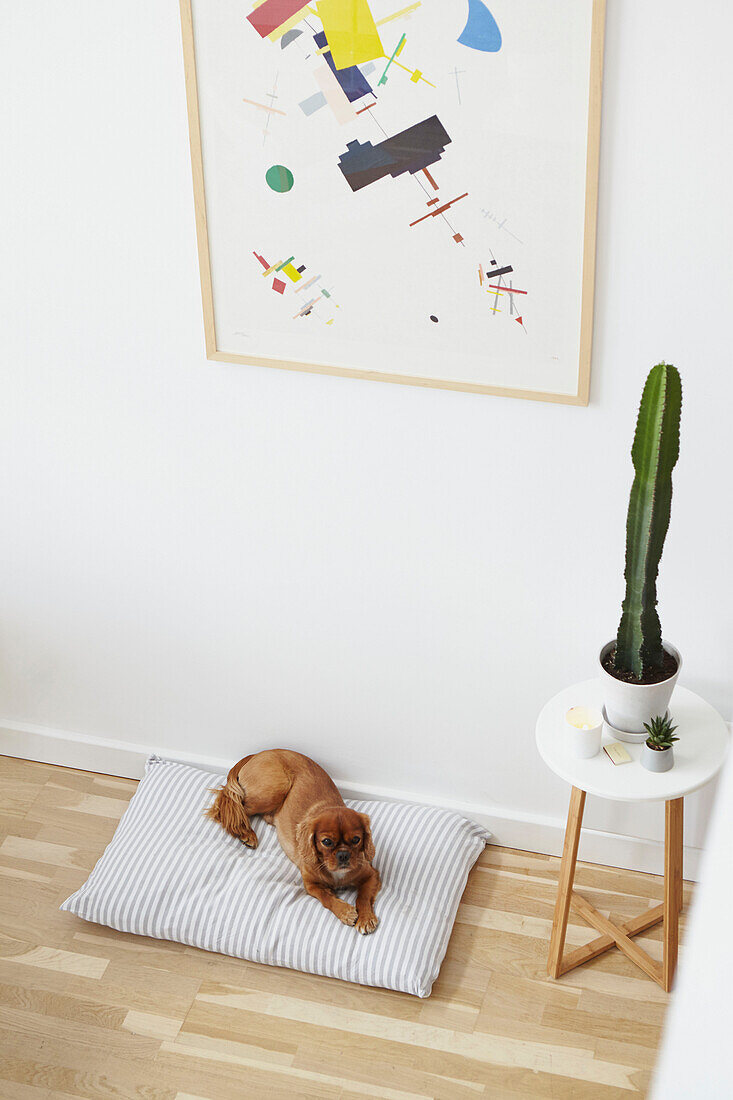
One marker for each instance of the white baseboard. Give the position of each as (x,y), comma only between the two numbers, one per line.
(529,833)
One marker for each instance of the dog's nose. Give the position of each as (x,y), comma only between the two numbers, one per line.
(343,857)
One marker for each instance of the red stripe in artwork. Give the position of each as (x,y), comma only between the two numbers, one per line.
(272,14)
(439,209)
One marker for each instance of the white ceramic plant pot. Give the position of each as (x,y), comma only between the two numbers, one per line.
(629,706)
(657,760)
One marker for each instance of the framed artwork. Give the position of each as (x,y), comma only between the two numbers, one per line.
(400,191)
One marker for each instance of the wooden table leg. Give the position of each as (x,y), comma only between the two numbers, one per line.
(681,893)
(565,885)
(672,885)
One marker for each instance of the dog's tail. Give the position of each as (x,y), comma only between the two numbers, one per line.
(228,807)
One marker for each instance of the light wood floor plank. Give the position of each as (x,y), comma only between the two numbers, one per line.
(62,1006)
(74,1070)
(363,1067)
(58,803)
(19,796)
(26,771)
(262,1078)
(506,1051)
(44,852)
(144,989)
(53,958)
(37,1025)
(14,1090)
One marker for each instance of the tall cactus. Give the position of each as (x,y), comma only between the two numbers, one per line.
(654,453)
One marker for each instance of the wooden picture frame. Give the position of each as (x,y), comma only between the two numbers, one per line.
(578,394)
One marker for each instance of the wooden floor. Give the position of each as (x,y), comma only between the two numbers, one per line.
(88,1012)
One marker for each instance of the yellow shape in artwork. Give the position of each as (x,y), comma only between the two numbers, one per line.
(292,273)
(350,31)
(416,76)
(288,24)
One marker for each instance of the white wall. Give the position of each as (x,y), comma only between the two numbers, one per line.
(695,1058)
(213,558)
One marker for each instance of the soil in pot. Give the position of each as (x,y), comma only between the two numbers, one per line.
(655,676)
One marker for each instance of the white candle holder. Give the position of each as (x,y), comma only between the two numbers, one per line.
(584,726)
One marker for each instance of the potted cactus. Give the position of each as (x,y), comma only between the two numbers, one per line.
(639,669)
(658,754)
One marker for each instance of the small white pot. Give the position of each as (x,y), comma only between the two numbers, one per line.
(583,728)
(657,760)
(629,706)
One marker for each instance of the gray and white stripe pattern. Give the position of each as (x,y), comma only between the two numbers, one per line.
(171,873)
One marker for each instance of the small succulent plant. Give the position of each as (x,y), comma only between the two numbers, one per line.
(660,731)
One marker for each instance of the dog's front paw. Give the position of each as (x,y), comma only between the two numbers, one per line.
(249,838)
(366,923)
(347,914)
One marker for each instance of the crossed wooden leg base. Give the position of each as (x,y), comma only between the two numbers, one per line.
(612,934)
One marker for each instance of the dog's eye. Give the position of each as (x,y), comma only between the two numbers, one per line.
(356,840)
(327,843)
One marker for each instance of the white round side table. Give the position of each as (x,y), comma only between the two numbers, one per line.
(699,755)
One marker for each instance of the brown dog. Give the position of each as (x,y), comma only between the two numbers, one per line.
(330,844)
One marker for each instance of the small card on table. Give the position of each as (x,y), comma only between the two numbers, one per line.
(617,753)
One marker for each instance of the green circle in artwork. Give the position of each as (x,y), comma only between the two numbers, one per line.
(279,178)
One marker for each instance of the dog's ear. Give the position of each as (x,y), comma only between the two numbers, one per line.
(305,841)
(368,842)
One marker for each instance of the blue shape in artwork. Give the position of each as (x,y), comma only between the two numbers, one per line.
(481,31)
(409,151)
(313,103)
(352,80)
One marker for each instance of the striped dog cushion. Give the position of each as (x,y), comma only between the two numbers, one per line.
(171,873)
